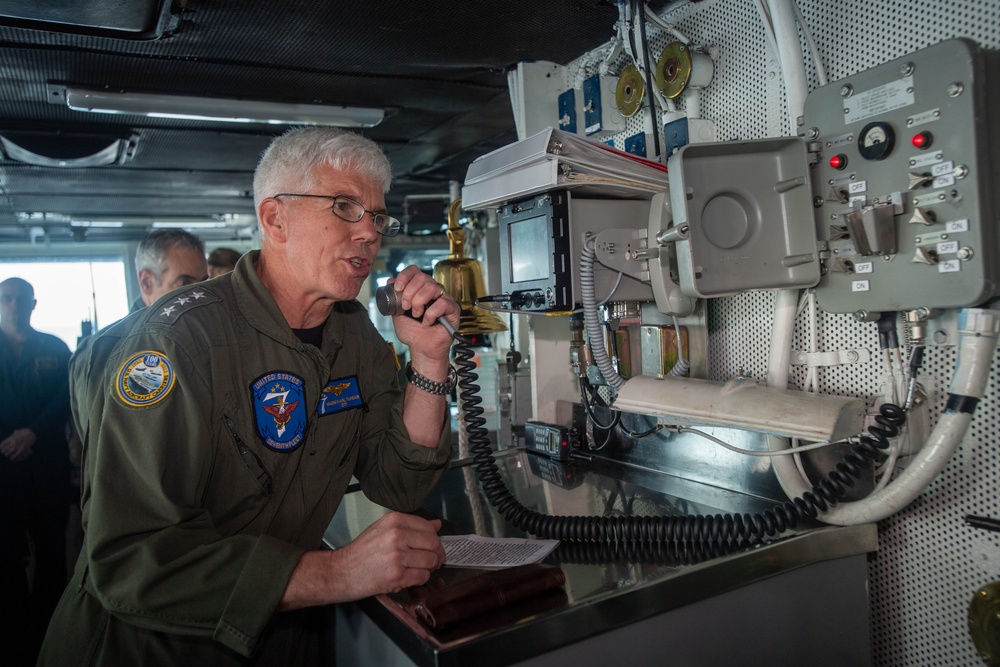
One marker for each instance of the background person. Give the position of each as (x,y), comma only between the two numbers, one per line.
(222,260)
(34,472)
(222,430)
(167,259)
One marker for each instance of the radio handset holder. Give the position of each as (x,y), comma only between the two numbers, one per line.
(662,264)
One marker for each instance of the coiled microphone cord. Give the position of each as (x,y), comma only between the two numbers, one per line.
(732,529)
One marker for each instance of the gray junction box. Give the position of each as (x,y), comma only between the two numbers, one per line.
(748,206)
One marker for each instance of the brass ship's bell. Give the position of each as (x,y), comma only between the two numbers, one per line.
(462,277)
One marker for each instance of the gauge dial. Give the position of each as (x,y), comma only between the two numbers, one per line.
(875,141)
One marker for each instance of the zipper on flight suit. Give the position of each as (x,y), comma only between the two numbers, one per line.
(250,458)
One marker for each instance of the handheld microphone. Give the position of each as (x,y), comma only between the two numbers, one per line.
(387,300)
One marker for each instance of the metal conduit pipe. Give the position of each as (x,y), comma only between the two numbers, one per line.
(978,338)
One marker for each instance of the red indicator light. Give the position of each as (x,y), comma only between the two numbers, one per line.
(838,161)
(922,140)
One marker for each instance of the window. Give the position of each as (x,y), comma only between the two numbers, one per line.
(71,292)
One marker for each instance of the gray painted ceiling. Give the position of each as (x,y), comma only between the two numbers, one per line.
(438,67)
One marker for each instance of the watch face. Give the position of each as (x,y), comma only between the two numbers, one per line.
(875,141)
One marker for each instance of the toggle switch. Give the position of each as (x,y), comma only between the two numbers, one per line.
(925,255)
(922,217)
(873,229)
(919,180)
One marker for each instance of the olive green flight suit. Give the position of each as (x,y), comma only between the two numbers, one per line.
(193,526)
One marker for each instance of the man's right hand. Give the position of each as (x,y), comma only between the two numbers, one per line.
(18,445)
(395,552)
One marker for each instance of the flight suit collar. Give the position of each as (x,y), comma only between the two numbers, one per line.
(261,311)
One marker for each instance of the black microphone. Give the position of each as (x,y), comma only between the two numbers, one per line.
(387,300)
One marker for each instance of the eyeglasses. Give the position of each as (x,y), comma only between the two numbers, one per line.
(347,209)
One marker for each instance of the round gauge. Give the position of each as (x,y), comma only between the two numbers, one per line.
(875,141)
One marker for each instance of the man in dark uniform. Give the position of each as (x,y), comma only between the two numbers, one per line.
(34,472)
(223,424)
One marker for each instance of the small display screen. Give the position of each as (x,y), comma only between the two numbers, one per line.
(530,255)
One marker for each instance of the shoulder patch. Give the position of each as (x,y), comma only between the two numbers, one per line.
(280,410)
(146,378)
(170,311)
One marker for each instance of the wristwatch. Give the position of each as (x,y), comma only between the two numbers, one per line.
(430,386)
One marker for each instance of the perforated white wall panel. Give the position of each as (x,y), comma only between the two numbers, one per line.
(929,562)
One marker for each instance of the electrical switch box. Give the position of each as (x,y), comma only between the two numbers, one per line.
(675,136)
(906,201)
(636,144)
(745,208)
(568,111)
(601,117)
(683,131)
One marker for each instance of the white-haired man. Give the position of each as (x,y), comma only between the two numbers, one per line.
(222,428)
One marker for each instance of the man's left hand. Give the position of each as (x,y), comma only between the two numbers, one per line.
(427,300)
(18,445)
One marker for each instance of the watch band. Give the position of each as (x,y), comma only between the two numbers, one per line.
(430,386)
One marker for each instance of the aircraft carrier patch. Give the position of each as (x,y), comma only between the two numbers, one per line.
(146,378)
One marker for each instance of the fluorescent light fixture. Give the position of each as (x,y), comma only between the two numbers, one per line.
(191,224)
(235,221)
(188,107)
(109,224)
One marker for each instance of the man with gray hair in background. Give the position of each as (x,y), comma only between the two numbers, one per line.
(223,426)
(167,259)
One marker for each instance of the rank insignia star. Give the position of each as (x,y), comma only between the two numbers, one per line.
(184,303)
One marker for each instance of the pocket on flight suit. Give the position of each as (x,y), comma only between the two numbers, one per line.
(250,459)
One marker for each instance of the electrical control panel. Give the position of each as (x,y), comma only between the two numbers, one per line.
(906,199)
